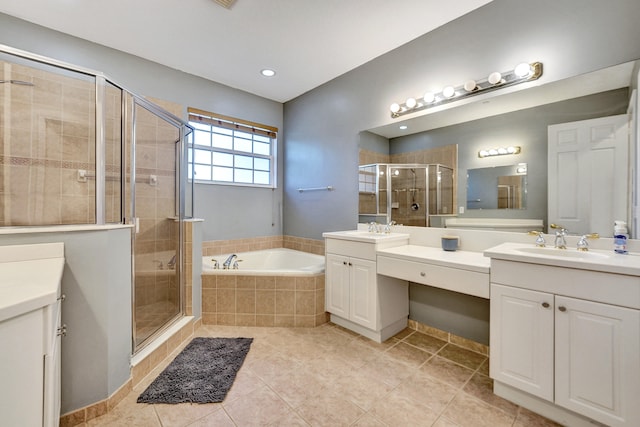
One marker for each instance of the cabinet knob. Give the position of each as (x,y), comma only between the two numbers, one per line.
(562,308)
(344,262)
(545,304)
(62,297)
(350,264)
(422,273)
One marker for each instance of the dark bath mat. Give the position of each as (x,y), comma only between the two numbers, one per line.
(202,373)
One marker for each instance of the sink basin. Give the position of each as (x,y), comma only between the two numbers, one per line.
(563,253)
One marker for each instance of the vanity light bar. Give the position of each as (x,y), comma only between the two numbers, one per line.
(502,151)
(524,72)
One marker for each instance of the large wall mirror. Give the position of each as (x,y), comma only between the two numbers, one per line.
(519,118)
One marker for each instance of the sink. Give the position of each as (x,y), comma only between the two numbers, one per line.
(563,253)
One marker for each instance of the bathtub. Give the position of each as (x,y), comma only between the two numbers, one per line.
(269,262)
(273,287)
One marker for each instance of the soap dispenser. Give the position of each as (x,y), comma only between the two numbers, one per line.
(620,237)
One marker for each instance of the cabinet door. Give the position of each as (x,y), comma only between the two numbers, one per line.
(597,362)
(337,285)
(521,339)
(363,304)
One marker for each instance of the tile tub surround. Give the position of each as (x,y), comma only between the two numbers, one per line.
(288,301)
(330,376)
(219,247)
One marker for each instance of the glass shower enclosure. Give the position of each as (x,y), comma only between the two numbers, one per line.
(405,193)
(77,148)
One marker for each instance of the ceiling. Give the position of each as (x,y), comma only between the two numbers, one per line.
(307,42)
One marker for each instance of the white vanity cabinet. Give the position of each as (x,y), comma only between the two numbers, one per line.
(357,298)
(570,337)
(30,314)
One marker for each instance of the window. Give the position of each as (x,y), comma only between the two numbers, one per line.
(225,150)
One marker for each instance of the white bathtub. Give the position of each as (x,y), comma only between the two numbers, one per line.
(268,262)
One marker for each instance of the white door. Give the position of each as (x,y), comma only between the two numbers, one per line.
(586,158)
(337,285)
(363,293)
(521,339)
(598,361)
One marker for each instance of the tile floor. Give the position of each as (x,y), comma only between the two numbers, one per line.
(328,376)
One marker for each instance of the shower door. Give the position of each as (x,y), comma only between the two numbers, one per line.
(154,188)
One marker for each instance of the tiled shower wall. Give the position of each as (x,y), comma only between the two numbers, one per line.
(47,135)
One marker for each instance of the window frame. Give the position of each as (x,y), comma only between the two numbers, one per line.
(232,124)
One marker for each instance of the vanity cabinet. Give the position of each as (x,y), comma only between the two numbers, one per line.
(568,337)
(351,289)
(356,297)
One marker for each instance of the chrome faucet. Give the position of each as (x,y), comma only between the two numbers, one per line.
(540,242)
(216,265)
(374,227)
(387,228)
(583,245)
(560,242)
(172,263)
(229,261)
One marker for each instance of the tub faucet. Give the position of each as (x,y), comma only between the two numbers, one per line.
(560,242)
(172,263)
(227,264)
(216,265)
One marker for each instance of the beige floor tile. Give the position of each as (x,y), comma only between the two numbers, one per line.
(387,370)
(444,422)
(245,382)
(218,419)
(361,389)
(260,407)
(425,342)
(184,414)
(526,418)
(468,411)
(408,354)
(447,371)
(481,387)
(398,410)
(297,387)
(470,359)
(329,410)
(424,389)
(368,420)
(291,419)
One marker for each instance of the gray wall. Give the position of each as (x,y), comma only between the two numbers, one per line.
(97,311)
(526,128)
(229,212)
(322,126)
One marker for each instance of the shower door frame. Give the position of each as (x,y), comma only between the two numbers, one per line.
(180,184)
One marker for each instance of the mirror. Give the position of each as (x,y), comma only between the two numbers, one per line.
(498,187)
(521,117)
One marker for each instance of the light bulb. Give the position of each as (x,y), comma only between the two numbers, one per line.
(396,172)
(493,152)
(522,70)
(511,150)
(495,78)
(470,85)
(394,108)
(267,72)
(502,150)
(410,102)
(483,153)
(448,91)
(429,97)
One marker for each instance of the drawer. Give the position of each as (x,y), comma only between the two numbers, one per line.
(351,248)
(453,279)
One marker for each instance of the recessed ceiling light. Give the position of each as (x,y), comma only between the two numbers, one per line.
(268,72)
(403,127)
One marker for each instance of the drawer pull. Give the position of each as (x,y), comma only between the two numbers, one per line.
(562,308)
(545,304)
(423,274)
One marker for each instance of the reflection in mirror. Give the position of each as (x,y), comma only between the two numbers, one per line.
(501,187)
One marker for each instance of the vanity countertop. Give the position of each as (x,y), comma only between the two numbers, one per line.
(365,236)
(594,259)
(466,260)
(29,279)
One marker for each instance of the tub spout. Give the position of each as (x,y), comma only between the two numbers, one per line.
(229,261)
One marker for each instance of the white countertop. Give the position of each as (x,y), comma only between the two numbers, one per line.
(594,259)
(466,260)
(29,284)
(365,236)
